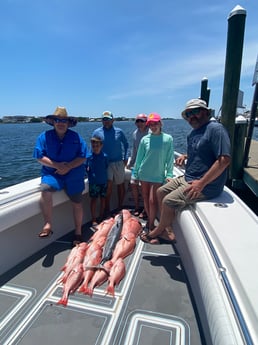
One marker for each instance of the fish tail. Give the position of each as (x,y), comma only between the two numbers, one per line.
(63,301)
(82,288)
(110,290)
(88,291)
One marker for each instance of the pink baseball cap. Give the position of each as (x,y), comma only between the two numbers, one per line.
(153,117)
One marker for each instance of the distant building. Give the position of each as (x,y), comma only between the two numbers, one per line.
(17,119)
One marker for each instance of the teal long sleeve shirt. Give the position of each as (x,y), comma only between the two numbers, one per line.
(155,158)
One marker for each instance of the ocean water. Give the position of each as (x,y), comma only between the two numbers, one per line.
(17,143)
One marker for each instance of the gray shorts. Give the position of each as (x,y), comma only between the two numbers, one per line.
(116,172)
(174,194)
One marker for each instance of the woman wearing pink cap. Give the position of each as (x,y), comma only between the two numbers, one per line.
(153,165)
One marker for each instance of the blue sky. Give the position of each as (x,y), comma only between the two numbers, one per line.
(127,56)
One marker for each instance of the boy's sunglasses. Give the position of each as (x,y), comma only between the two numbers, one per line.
(195,111)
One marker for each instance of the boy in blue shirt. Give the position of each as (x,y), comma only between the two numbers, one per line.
(96,168)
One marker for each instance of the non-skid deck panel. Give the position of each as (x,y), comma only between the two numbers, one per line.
(151,304)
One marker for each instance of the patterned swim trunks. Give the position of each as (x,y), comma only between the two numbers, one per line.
(97,190)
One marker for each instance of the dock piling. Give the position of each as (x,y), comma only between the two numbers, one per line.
(235,39)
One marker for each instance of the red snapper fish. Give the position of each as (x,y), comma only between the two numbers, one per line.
(124,247)
(72,283)
(117,273)
(99,278)
(77,259)
(92,260)
(103,229)
(132,225)
(73,253)
(126,214)
(99,241)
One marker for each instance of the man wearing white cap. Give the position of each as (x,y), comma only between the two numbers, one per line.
(115,145)
(208,156)
(138,134)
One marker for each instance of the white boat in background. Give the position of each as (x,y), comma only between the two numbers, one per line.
(202,290)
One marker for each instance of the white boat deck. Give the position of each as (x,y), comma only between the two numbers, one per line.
(151,305)
(208,279)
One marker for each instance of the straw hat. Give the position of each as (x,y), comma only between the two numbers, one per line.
(61,113)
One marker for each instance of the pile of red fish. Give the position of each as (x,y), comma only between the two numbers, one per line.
(101,259)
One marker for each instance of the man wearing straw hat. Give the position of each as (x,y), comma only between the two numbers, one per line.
(62,153)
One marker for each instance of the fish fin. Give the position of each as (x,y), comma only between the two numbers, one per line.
(93,228)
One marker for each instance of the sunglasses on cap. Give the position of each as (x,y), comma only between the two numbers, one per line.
(191,112)
(57,120)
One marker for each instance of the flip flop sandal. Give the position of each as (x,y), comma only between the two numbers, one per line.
(156,240)
(165,241)
(145,230)
(136,212)
(45,233)
(150,240)
(143,215)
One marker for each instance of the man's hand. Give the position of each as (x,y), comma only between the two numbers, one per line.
(194,189)
(62,168)
(181,160)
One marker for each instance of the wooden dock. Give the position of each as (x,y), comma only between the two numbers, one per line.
(250,176)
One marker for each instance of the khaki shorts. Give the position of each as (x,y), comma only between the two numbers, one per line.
(116,172)
(174,194)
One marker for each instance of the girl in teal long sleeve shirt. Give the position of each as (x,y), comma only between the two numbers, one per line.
(154,164)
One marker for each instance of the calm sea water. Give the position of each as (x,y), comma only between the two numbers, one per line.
(18,140)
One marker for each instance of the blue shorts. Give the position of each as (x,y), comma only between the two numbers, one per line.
(96,190)
(72,186)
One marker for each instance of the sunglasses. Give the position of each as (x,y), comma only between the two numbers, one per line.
(96,143)
(139,121)
(56,120)
(195,111)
